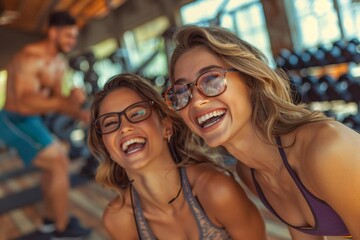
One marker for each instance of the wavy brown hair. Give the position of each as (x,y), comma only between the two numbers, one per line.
(186,148)
(274,112)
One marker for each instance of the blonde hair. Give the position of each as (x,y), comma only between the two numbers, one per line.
(274,112)
(188,148)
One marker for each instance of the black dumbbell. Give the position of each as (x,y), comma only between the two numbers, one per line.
(355,45)
(306,59)
(349,82)
(334,54)
(349,50)
(327,79)
(339,91)
(319,56)
(313,90)
(288,59)
(76,63)
(352,121)
(354,90)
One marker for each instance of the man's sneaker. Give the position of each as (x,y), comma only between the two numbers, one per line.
(73,231)
(47,227)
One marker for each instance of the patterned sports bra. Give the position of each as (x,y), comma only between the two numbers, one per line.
(207,230)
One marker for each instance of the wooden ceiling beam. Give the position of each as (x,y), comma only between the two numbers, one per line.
(11,5)
(47,8)
(79,6)
(26,20)
(93,8)
(65,4)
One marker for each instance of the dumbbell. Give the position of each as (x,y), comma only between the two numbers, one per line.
(313,90)
(333,55)
(354,90)
(339,90)
(353,122)
(347,77)
(349,50)
(91,81)
(349,84)
(354,44)
(76,63)
(288,59)
(306,59)
(319,56)
(90,57)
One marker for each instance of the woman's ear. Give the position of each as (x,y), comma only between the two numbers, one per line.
(167,128)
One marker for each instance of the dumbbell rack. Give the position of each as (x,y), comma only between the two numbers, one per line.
(323,79)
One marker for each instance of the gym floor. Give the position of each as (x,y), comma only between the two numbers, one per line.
(87,201)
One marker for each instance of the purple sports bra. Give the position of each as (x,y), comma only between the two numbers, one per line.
(327,221)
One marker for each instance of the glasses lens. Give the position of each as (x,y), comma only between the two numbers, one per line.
(178,96)
(135,113)
(138,112)
(212,83)
(108,123)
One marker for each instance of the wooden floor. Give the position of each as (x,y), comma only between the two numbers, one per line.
(87,201)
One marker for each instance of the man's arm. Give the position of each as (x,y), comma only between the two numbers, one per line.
(31,98)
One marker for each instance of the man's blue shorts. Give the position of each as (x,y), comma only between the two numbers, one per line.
(27,134)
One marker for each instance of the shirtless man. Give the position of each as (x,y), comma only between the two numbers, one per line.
(34,88)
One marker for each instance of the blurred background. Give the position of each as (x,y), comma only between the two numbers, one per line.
(315,41)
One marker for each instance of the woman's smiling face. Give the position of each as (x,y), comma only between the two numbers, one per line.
(133,145)
(215,119)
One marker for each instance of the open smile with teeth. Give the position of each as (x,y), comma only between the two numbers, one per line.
(210,118)
(133,145)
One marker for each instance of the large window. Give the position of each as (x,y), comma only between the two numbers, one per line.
(145,48)
(349,12)
(243,17)
(323,21)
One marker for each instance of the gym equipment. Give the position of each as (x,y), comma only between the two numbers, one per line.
(306,59)
(335,54)
(319,56)
(352,121)
(354,90)
(120,56)
(339,91)
(288,60)
(315,89)
(352,52)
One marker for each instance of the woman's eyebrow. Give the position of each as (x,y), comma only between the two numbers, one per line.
(201,71)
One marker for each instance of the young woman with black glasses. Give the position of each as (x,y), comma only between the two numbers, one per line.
(167,182)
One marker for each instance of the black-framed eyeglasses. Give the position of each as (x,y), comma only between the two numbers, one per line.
(211,83)
(134,113)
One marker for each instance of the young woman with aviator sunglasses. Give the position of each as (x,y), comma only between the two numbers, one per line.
(303,166)
(163,192)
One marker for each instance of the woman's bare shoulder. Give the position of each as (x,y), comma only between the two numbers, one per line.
(322,138)
(325,147)
(209,182)
(118,218)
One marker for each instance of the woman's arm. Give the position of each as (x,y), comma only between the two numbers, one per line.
(227,205)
